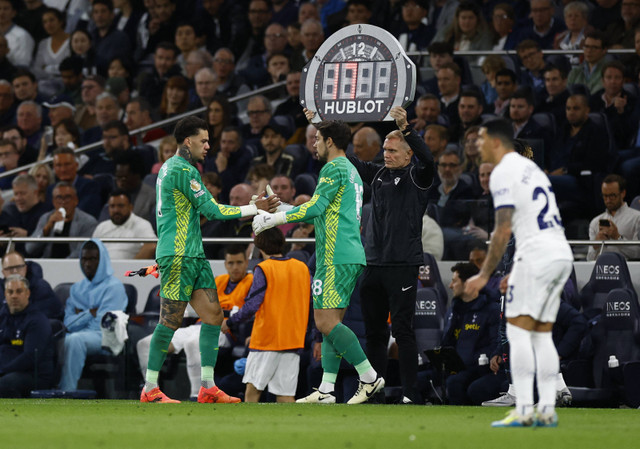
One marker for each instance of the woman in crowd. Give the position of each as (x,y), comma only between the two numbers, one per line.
(82,47)
(52,50)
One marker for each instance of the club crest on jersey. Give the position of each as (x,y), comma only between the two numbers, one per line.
(396,181)
(195,185)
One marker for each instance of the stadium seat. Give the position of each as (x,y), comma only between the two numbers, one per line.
(429,277)
(106,183)
(62,292)
(300,255)
(151,311)
(579,89)
(428,319)
(132,298)
(287,123)
(150,179)
(547,121)
(610,271)
(300,156)
(615,334)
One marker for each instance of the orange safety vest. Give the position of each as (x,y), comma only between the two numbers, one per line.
(281,321)
(237,295)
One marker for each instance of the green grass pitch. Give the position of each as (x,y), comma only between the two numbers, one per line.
(70,424)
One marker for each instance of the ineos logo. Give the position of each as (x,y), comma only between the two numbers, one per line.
(620,306)
(426,305)
(608,269)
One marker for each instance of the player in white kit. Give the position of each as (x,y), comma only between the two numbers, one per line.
(526,205)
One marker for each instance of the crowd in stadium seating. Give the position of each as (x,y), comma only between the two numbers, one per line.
(84,72)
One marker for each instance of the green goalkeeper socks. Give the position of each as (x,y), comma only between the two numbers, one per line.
(158,349)
(347,345)
(330,364)
(208,352)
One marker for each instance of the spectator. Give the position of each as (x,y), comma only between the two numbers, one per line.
(8,103)
(232,289)
(60,107)
(118,87)
(259,111)
(491,65)
(436,137)
(89,299)
(273,141)
(86,192)
(617,222)
(108,41)
(441,53)
(92,86)
(589,72)
(556,94)
(279,294)
(13,133)
(29,119)
(121,68)
(582,155)
(471,328)
(186,40)
(367,145)
(197,60)
(543,26)
(166,149)
(25,86)
(427,111)
(175,97)
(30,18)
(44,177)
(25,341)
(291,105)
(412,33)
(115,138)
(151,83)
(227,82)
(54,49)
(82,48)
(232,161)
(576,17)
(6,68)
(520,111)
(129,174)
(128,18)
(123,223)
(75,223)
(620,33)
(604,12)
(617,105)
(42,296)
(503,20)
(9,157)
(206,85)
(23,213)
(20,42)
(533,61)
(107,110)
(505,87)
(443,12)
(471,155)
(275,42)
(65,134)
(448,200)
(219,115)
(162,28)
(312,36)
(468,31)
(469,114)
(251,43)
(449,86)
(138,114)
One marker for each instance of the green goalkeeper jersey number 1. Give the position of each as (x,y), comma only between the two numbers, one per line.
(336,208)
(180,199)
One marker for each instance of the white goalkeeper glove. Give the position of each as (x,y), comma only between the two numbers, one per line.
(265,220)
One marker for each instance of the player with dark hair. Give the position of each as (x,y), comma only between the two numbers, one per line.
(335,207)
(525,203)
(186,275)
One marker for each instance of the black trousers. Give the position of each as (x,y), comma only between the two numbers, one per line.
(384,290)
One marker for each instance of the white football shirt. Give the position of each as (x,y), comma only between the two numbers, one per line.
(517,182)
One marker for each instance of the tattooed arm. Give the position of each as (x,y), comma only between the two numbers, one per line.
(499,240)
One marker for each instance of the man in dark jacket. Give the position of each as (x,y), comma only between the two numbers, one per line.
(25,333)
(393,247)
(42,296)
(471,328)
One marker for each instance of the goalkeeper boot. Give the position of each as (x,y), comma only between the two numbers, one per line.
(366,391)
(215,395)
(317,397)
(156,395)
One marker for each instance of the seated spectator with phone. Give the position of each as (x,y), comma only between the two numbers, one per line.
(617,222)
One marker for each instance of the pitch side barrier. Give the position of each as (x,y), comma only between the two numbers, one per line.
(57,271)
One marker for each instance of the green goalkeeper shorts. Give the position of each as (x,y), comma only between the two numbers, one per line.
(180,276)
(333,285)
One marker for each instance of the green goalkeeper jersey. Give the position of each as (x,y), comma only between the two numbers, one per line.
(336,206)
(180,199)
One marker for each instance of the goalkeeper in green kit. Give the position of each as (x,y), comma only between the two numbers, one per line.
(335,211)
(186,275)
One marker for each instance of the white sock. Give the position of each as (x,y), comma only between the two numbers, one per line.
(369,376)
(327,387)
(192,351)
(522,367)
(560,384)
(547,368)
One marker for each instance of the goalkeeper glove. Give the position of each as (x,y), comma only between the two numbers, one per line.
(265,220)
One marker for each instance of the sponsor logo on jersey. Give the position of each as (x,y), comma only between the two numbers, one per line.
(195,185)
(500,192)
(17,342)
(326,180)
(396,181)
(199,194)
(475,327)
